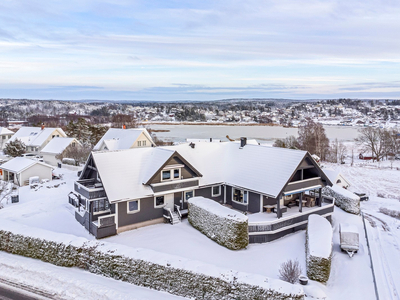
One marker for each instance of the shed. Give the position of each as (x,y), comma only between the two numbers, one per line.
(20,169)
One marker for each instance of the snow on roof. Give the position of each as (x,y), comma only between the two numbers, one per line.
(248,142)
(35,136)
(119,139)
(333,175)
(344,192)
(262,169)
(210,140)
(123,172)
(320,234)
(18,164)
(218,209)
(346,227)
(58,145)
(4,131)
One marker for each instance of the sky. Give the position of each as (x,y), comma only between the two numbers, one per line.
(199,50)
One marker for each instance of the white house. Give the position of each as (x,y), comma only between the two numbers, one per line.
(20,169)
(120,139)
(36,138)
(5,136)
(337,178)
(55,147)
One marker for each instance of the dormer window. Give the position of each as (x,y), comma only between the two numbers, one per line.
(172,172)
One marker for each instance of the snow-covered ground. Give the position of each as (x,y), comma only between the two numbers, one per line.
(351,278)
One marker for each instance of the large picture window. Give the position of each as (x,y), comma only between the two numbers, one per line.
(240,196)
(133,206)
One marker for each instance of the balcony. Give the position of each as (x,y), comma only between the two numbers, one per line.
(174,185)
(104,226)
(302,185)
(90,189)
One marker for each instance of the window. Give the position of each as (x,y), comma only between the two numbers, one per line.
(100,205)
(166,175)
(73,144)
(4,137)
(188,195)
(144,143)
(133,206)
(159,201)
(170,174)
(216,191)
(139,143)
(240,196)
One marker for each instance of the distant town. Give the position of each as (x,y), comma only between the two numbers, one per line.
(290,113)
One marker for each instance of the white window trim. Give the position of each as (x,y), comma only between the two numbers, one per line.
(139,143)
(184,194)
(212,191)
(132,212)
(171,174)
(159,206)
(243,191)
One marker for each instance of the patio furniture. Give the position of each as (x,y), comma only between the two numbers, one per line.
(269,208)
(303,202)
(290,204)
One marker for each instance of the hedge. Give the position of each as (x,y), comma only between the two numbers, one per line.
(90,256)
(344,199)
(223,225)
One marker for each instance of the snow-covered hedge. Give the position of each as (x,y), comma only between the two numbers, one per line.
(318,248)
(143,267)
(223,225)
(345,199)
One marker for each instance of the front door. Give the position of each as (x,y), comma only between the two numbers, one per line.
(169,201)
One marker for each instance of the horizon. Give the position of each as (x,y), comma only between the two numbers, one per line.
(207,51)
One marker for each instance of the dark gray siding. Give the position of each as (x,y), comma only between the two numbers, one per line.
(175,185)
(228,195)
(241,207)
(254,203)
(147,212)
(303,184)
(269,201)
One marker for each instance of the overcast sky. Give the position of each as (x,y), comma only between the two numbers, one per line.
(199,50)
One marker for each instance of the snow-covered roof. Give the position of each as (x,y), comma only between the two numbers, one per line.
(344,192)
(262,169)
(123,172)
(58,145)
(19,164)
(4,131)
(35,136)
(210,140)
(119,139)
(334,175)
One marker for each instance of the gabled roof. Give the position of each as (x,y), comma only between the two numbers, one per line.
(58,145)
(333,175)
(35,136)
(119,139)
(265,170)
(19,164)
(4,131)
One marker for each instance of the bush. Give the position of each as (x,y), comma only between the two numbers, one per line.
(290,271)
(390,212)
(223,225)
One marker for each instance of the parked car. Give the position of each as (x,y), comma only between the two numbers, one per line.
(363,196)
(33,156)
(397,156)
(349,238)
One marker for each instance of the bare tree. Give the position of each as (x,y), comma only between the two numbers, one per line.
(290,271)
(313,139)
(289,142)
(77,152)
(6,189)
(372,140)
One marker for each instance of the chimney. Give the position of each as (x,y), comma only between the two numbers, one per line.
(210,140)
(192,145)
(124,126)
(42,126)
(243,142)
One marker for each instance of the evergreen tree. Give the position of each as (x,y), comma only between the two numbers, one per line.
(15,148)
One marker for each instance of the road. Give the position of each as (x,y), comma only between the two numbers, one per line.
(11,293)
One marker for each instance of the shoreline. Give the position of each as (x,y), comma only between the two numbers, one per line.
(214,124)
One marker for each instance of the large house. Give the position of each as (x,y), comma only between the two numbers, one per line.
(57,146)
(119,139)
(5,135)
(36,138)
(122,190)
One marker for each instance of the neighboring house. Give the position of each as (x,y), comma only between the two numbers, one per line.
(57,146)
(20,169)
(36,138)
(337,178)
(120,139)
(123,190)
(5,135)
